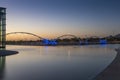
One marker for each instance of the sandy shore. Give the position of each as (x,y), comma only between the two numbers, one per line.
(112,72)
(7,52)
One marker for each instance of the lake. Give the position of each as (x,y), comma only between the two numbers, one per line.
(56,62)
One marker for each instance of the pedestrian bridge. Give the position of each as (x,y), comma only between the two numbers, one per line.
(41,38)
(63,39)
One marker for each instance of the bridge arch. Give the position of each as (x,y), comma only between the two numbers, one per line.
(94,37)
(67,35)
(25,33)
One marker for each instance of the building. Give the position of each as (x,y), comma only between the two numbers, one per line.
(2,27)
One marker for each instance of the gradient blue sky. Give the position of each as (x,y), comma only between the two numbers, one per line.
(51,18)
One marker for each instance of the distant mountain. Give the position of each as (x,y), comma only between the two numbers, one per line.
(117,36)
(109,36)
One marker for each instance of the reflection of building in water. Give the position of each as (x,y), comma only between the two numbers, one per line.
(2,67)
(2,27)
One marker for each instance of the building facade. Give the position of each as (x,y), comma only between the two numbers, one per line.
(2,27)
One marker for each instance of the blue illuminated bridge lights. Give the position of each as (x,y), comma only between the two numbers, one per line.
(103,41)
(49,42)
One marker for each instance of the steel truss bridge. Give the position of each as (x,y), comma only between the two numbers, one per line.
(25,33)
(41,38)
(53,41)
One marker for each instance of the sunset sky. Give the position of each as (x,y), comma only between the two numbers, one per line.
(52,18)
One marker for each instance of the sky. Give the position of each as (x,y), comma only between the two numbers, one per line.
(52,18)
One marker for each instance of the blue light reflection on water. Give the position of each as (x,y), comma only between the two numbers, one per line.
(58,63)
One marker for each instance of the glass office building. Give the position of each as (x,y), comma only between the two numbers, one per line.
(2,27)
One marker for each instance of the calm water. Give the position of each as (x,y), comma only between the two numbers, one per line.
(56,63)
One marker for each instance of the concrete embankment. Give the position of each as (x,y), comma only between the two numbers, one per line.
(7,52)
(112,72)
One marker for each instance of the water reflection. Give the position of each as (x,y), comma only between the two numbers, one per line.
(2,67)
(57,63)
(69,56)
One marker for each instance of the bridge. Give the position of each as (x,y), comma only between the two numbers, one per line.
(46,41)
(41,38)
(25,33)
(67,35)
(63,39)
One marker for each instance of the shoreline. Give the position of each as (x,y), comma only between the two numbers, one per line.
(7,52)
(60,44)
(112,72)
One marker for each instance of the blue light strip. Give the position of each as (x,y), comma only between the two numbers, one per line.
(49,42)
